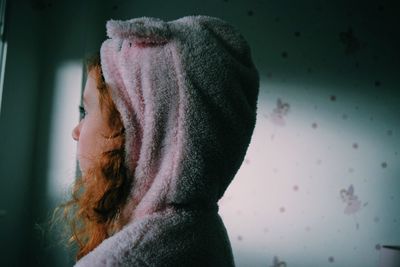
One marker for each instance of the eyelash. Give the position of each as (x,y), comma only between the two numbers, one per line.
(82,112)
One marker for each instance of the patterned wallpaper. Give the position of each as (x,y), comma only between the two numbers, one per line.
(320,182)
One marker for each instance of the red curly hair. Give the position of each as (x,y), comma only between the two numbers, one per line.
(97,198)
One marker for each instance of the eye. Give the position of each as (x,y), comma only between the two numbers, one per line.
(82,112)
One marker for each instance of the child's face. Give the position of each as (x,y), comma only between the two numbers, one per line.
(92,131)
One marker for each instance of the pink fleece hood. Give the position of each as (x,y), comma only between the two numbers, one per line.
(187,92)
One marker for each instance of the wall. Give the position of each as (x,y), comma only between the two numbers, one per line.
(319,186)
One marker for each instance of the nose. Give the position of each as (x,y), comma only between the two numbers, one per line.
(76,132)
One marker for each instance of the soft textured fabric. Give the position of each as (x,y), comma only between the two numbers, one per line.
(187,92)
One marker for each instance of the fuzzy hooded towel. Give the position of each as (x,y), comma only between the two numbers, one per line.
(187,92)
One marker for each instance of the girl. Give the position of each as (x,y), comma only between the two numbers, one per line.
(169,111)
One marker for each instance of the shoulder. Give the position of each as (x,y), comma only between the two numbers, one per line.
(165,239)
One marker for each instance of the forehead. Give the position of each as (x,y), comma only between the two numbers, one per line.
(90,91)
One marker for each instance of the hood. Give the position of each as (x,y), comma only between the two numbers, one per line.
(187,93)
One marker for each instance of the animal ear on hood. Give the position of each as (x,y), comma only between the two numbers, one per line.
(142,31)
